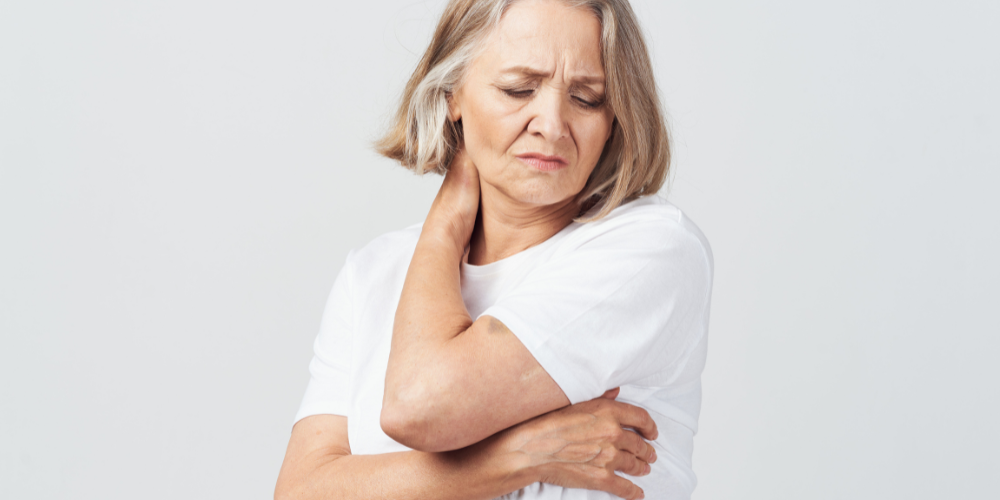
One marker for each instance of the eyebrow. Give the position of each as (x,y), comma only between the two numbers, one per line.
(536,73)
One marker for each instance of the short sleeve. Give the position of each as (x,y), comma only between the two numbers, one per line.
(328,391)
(627,303)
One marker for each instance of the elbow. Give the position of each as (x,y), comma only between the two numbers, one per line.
(422,412)
(292,485)
(424,421)
(281,492)
(285,491)
(415,428)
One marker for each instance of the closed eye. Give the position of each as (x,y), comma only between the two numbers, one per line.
(519,93)
(587,103)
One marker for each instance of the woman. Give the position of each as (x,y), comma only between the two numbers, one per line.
(480,354)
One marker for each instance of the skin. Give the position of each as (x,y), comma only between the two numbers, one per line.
(537,88)
(488,420)
(576,447)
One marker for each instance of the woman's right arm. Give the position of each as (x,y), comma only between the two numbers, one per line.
(318,465)
(579,446)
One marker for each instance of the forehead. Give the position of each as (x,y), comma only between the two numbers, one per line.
(547,35)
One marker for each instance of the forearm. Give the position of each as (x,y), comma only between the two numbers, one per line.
(576,447)
(451,382)
(466,474)
(431,311)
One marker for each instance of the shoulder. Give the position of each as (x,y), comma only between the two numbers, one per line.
(389,253)
(649,223)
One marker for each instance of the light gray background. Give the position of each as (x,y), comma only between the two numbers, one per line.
(180,182)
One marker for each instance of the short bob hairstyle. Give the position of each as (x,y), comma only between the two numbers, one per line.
(636,159)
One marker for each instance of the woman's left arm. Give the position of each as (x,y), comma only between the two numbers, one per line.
(450,381)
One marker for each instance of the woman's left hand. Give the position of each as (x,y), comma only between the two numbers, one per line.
(578,446)
(457,202)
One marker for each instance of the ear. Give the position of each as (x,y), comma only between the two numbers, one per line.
(454,110)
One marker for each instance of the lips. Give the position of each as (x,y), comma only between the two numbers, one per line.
(545,163)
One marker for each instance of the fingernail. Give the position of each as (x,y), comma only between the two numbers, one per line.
(648,468)
(653,458)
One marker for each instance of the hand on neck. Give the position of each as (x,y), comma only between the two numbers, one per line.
(506,226)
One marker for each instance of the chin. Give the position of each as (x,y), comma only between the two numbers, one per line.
(540,194)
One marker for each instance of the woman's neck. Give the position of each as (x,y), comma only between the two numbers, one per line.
(505,226)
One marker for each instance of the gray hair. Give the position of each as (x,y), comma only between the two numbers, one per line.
(636,159)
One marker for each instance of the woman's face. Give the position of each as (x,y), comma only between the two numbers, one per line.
(532,104)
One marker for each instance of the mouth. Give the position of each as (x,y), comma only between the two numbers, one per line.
(542,162)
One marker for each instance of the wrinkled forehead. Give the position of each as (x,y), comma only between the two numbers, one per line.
(547,35)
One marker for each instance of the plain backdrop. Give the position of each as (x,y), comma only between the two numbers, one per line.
(181,181)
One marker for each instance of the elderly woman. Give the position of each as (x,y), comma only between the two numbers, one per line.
(480,354)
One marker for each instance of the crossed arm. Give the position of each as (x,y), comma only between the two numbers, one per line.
(483,379)
(487,420)
(319,465)
(579,446)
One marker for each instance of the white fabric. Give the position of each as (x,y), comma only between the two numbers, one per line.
(620,302)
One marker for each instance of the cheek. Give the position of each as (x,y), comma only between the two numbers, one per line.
(489,129)
(592,137)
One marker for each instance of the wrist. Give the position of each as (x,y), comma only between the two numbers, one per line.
(505,463)
(447,233)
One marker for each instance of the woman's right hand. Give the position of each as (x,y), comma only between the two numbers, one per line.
(582,445)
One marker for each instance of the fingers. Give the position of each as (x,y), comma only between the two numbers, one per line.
(462,166)
(619,486)
(593,478)
(636,418)
(630,464)
(457,202)
(595,439)
(462,172)
(636,445)
(612,393)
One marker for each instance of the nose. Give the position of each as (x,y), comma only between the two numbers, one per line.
(548,120)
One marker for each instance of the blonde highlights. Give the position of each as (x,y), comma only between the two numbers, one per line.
(636,158)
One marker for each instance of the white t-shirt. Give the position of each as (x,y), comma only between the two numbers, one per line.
(619,302)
